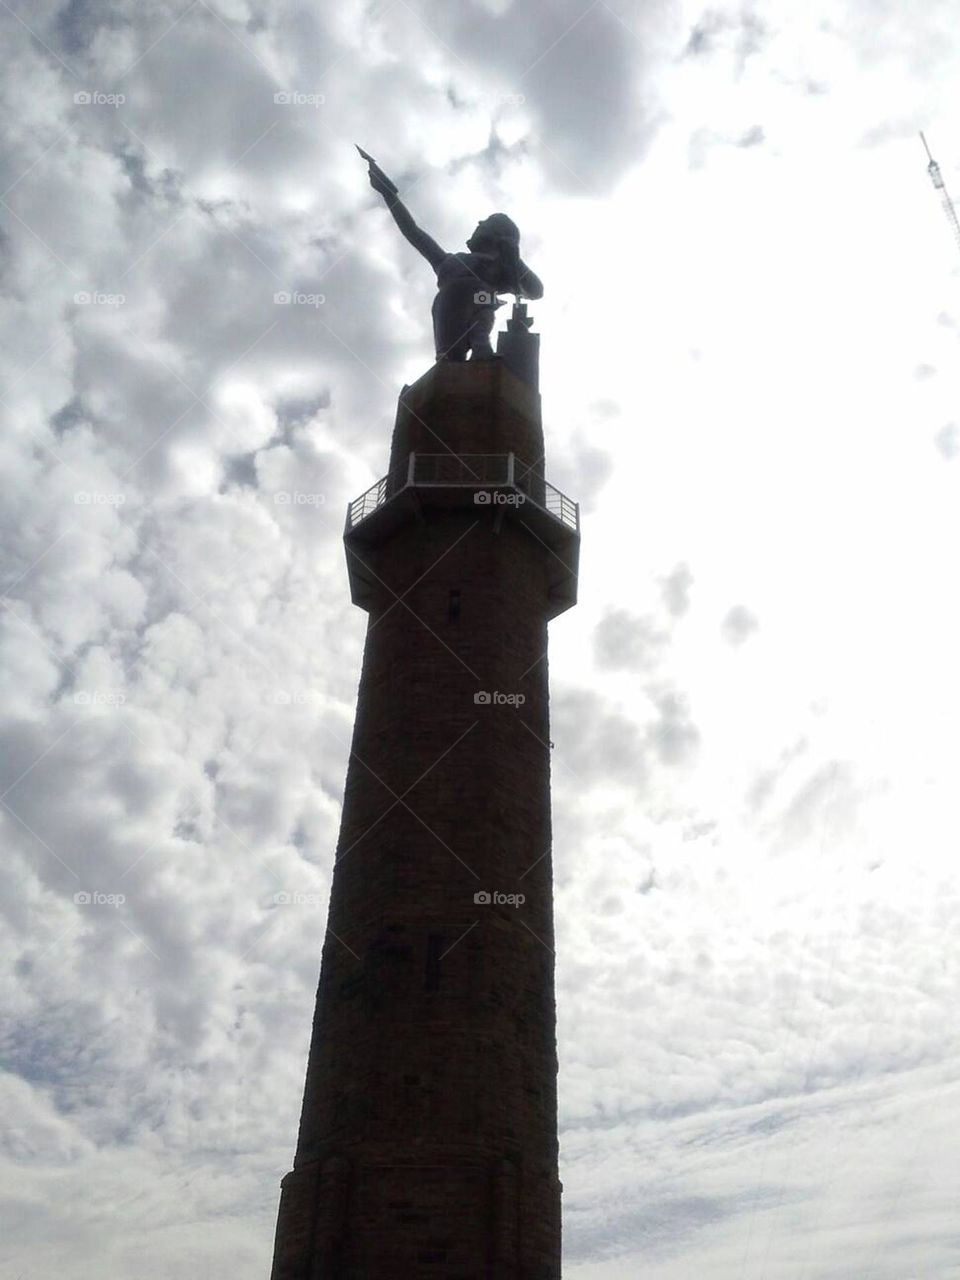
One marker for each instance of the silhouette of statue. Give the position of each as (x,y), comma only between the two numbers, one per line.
(467,283)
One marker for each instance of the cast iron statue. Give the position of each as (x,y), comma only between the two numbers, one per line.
(467,283)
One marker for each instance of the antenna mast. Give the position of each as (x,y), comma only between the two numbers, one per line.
(936,177)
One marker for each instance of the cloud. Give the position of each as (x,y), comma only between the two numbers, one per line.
(674,735)
(947,440)
(179,658)
(627,641)
(592,467)
(676,590)
(742,34)
(704,140)
(738,625)
(597,742)
(577,69)
(753,137)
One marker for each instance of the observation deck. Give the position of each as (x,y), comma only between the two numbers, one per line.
(499,483)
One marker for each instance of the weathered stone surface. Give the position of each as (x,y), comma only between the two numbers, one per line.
(428,1138)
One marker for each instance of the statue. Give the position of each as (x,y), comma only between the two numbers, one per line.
(467,283)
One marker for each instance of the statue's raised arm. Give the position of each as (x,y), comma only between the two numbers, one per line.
(401,214)
(467,283)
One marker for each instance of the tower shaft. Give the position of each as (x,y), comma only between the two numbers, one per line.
(428,1136)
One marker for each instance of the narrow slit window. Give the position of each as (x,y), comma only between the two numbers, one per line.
(454,606)
(434,951)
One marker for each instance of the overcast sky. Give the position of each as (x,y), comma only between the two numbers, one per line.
(750,381)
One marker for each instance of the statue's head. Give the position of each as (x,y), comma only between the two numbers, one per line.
(491,233)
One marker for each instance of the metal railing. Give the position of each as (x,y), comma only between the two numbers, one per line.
(558,504)
(469,470)
(376,496)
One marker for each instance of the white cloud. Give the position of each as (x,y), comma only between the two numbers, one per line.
(753,705)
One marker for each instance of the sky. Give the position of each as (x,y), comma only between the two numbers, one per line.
(749,372)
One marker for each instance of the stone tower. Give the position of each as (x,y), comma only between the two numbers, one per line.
(428,1136)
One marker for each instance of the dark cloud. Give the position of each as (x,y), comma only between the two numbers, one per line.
(72,414)
(79,21)
(241,469)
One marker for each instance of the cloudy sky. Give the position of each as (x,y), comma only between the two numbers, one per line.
(750,382)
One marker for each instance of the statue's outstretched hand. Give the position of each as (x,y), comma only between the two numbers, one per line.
(378,179)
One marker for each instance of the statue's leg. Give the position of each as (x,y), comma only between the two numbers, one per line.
(479,336)
(451,324)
